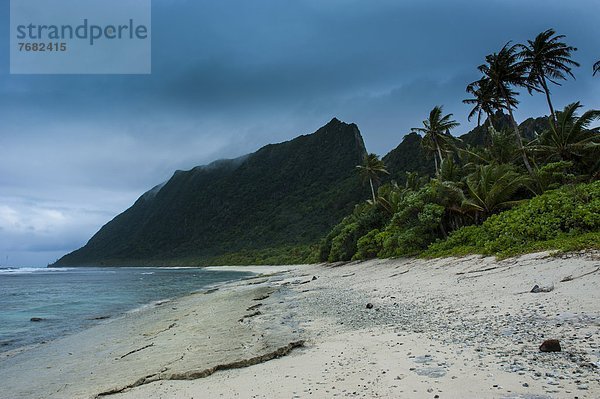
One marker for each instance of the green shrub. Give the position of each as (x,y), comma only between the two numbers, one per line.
(341,244)
(420,219)
(370,245)
(556,218)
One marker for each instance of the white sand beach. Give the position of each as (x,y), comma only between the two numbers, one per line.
(445,328)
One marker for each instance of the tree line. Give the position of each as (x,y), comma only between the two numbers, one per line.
(474,183)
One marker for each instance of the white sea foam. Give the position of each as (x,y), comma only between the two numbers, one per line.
(29,270)
(149,305)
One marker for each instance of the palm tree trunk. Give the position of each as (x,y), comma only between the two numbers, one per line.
(542,81)
(443,230)
(517,134)
(488,137)
(489,118)
(520,142)
(439,151)
(372,191)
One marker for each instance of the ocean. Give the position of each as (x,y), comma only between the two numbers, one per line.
(42,304)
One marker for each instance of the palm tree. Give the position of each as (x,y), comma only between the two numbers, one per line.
(552,176)
(491,188)
(571,139)
(414,181)
(436,131)
(504,69)
(450,170)
(547,59)
(485,100)
(450,196)
(391,197)
(370,170)
(502,150)
(596,68)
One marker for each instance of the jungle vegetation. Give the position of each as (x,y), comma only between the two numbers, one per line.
(502,189)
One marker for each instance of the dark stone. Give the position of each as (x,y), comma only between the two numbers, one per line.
(537,289)
(550,345)
(314,278)
(36,319)
(100,317)
(369,306)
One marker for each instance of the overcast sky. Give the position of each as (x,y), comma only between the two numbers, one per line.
(230,76)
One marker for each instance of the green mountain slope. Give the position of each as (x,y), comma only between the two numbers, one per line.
(408,157)
(284,195)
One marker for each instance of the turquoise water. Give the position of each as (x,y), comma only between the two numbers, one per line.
(71,299)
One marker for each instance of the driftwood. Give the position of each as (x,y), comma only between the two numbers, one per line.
(571,278)
(399,274)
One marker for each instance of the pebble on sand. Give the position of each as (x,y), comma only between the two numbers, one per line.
(550,345)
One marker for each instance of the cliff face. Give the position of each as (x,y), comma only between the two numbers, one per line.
(284,194)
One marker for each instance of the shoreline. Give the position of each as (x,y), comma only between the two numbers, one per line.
(453,327)
(109,316)
(152,341)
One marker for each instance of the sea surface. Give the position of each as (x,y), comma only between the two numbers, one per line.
(67,300)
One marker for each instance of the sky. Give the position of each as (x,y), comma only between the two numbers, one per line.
(230,76)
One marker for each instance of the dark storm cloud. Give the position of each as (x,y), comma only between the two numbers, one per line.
(230,76)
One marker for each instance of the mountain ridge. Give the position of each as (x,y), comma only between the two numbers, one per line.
(269,206)
(283,194)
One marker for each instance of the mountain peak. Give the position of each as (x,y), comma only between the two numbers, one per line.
(338,124)
(282,195)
